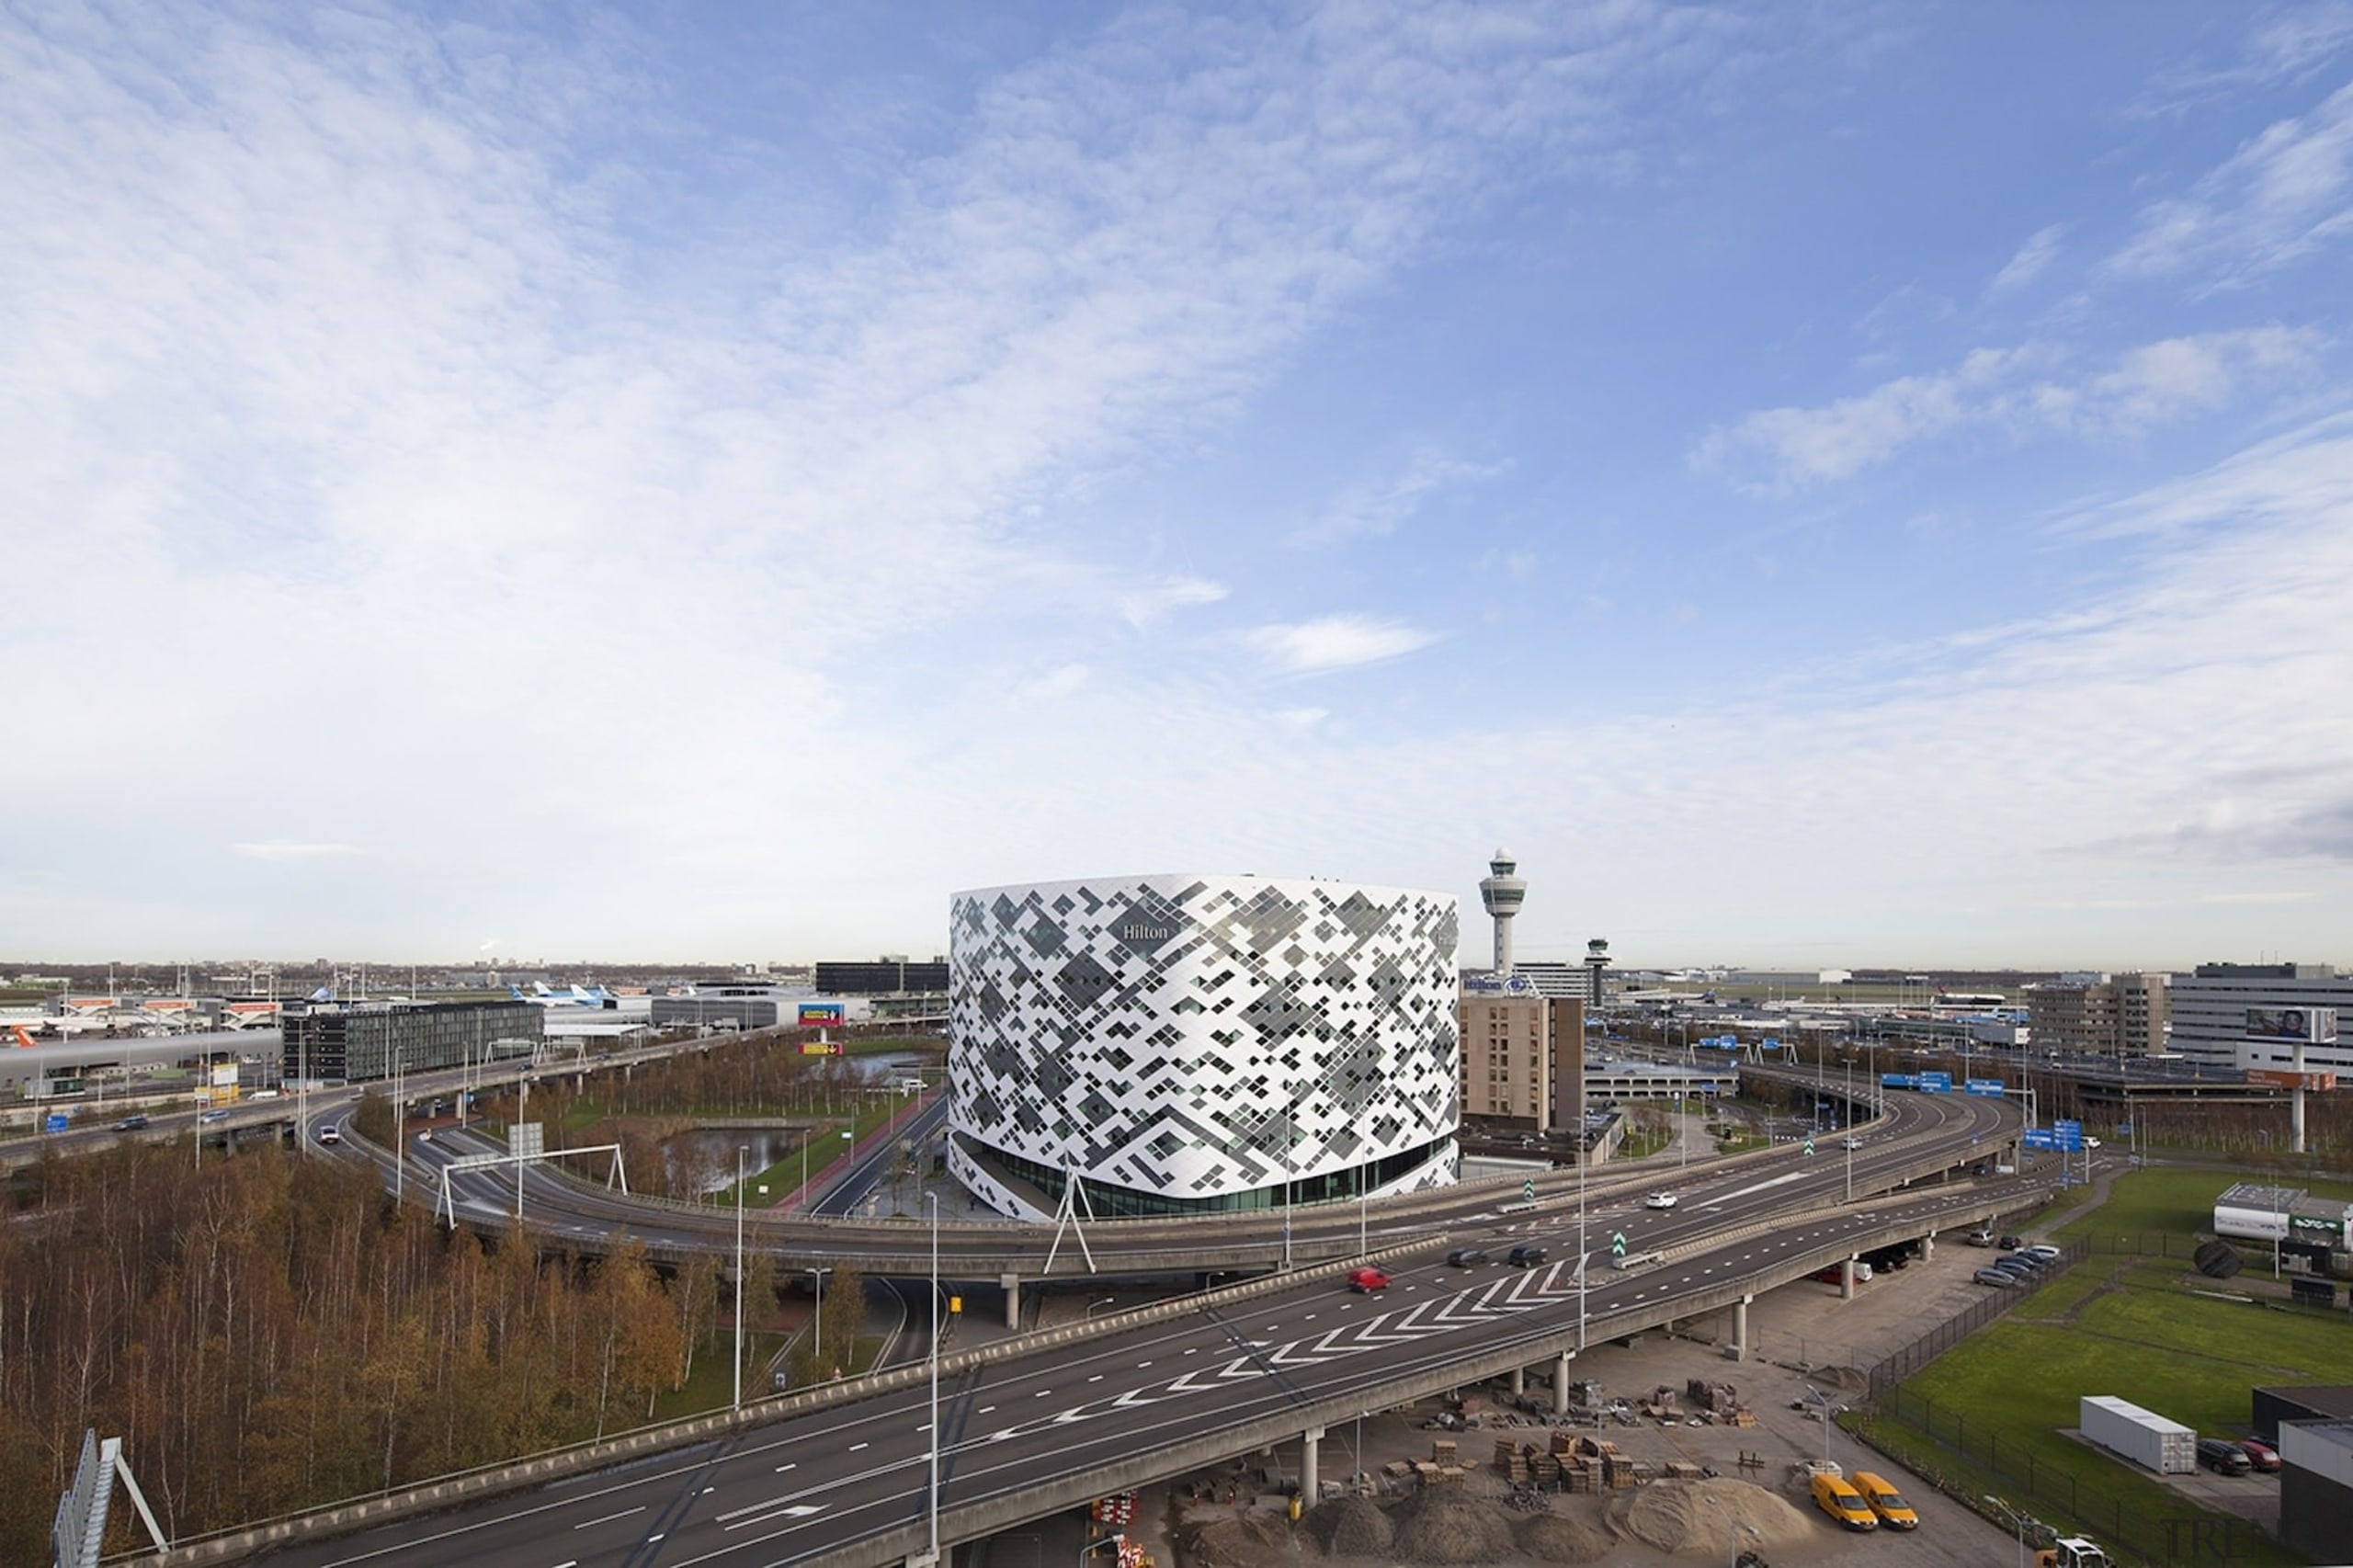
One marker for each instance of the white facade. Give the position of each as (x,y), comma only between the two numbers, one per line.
(1187,1043)
(2210,1007)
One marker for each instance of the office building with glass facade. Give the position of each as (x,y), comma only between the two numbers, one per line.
(359,1041)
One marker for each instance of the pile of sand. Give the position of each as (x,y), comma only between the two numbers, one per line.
(1249,1541)
(1564,1538)
(1441,1525)
(1719,1517)
(1352,1527)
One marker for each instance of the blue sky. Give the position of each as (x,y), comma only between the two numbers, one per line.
(1836,484)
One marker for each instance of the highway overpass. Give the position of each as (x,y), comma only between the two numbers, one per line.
(836,1478)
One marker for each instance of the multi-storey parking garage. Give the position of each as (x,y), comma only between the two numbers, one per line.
(1185,1043)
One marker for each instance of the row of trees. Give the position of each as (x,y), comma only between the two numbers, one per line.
(268,1331)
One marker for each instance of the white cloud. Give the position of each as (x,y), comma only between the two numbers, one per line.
(2041,249)
(349,351)
(1370,510)
(2284,196)
(1146,606)
(291,849)
(2284,43)
(1060,682)
(1338,641)
(2023,390)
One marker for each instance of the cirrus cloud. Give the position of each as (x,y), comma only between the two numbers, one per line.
(1338,643)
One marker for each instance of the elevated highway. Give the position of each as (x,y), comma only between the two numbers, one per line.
(838,1477)
(1918,1137)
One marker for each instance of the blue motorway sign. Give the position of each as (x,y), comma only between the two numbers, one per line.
(56,1122)
(1935,1082)
(1770,1044)
(1899,1080)
(1992,1088)
(2038,1137)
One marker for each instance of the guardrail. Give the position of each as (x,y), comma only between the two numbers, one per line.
(446,1491)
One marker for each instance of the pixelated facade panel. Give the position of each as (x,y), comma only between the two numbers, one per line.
(1202,1035)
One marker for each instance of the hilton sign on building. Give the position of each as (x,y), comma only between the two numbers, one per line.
(1185,1043)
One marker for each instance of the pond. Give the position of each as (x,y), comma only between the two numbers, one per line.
(705,1158)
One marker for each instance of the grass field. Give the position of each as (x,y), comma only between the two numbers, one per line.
(2117,1323)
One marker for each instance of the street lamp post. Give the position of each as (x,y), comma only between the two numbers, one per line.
(2015,1518)
(1585,1152)
(739,1277)
(1287,1179)
(931,1200)
(817,1293)
(400,1126)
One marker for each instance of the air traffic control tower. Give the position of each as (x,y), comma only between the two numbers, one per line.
(1501,891)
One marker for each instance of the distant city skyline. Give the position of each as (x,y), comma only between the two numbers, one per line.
(1855,485)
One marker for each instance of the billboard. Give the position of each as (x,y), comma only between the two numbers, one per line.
(821,1014)
(2280,1079)
(2308,1025)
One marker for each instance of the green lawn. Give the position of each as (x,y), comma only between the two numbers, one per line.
(2175,1199)
(2117,1323)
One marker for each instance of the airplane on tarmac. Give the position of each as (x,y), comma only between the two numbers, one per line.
(577,996)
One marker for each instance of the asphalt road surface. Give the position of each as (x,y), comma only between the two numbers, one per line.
(827,1482)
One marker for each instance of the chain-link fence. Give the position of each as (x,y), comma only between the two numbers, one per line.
(1968,1460)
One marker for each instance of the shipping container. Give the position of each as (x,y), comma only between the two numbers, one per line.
(2143,1436)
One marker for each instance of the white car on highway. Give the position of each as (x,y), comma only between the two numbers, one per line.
(1659,1200)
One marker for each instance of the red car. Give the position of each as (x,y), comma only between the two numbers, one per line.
(2260,1454)
(1368,1280)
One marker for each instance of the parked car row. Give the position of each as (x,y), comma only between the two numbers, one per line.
(1863,1501)
(2012,1268)
(2236,1456)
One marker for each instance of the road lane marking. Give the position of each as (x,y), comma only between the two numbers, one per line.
(794,1511)
(793,1464)
(609,1518)
(1041,1393)
(985,1410)
(1096,1378)
(855,1447)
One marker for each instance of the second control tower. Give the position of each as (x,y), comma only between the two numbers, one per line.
(1501,891)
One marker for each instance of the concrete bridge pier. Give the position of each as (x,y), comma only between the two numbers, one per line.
(1846,1281)
(1518,1381)
(1011,1283)
(1310,1481)
(1928,1247)
(1740,1328)
(1561,1381)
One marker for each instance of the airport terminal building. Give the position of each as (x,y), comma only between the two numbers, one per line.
(1189,1043)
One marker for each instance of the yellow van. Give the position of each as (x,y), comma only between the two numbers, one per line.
(1842,1502)
(1885,1501)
